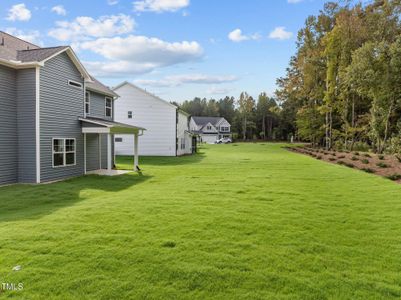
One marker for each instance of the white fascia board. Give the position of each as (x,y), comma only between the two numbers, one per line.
(95,130)
(71,54)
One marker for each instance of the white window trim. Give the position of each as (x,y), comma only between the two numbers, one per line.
(105,107)
(73,84)
(89,103)
(64,153)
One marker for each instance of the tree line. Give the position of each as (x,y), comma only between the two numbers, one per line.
(342,88)
(249,118)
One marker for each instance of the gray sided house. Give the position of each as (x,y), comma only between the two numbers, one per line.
(210,129)
(56,120)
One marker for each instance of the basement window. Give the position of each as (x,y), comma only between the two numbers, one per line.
(75,84)
(63,152)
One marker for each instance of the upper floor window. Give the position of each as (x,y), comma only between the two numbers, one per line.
(108,107)
(63,152)
(130,115)
(209,127)
(75,84)
(224,129)
(87,103)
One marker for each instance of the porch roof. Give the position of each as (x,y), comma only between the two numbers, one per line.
(96,125)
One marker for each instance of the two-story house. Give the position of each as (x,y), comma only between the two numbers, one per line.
(210,129)
(56,121)
(167,127)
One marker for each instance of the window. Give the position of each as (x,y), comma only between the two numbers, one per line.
(224,129)
(75,84)
(63,152)
(87,103)
(182,144)
(209,127)
(130,115)
(118,140)
(109,108)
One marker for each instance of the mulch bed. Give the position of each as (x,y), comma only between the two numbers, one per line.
(388,166)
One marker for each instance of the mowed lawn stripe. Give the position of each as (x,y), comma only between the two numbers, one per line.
(240,221)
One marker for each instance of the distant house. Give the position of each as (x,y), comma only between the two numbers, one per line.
(167,127)
(210,129)
(56,121)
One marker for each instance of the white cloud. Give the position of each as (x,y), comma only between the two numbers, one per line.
(160,5)
(237,36)
(112,2)
(19,12)
(218,90)
(59,9)
(83,28)
(32,36)
(294,1)
(177,80)
(279,33)
(138,54)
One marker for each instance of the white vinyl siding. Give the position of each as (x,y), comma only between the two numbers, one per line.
(157,116)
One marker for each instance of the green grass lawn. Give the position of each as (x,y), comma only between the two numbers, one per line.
(240,221)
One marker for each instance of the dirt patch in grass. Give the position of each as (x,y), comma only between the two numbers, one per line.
(388,166)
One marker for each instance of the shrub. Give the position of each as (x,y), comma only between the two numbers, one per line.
(367,170)
(398,158)
(332,159)
(382,165)
(361,146)
(394,177)
(349,165)
(356,153)
(367,155)
(354,158)
(341,156)
(340,162)
(319,157)
(365,161)
(334,154)
(381,157)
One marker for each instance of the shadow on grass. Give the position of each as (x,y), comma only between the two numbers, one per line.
(19,202)
(126,162)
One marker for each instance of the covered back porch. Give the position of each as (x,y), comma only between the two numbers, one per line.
(99,154)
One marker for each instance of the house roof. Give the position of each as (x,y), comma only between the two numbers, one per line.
(97,86)
(37,55)
(202,121)
(20,53)
(116,127)
(144,91)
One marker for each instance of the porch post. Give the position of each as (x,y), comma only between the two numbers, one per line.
(136,152)
(85,153)
(109,152)
(100,150)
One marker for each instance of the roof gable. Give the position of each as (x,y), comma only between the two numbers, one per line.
(202,121)
(131,85)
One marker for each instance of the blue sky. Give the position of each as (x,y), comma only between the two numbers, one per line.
(177,49)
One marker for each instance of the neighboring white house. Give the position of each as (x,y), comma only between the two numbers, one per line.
(210,129)
(167,127)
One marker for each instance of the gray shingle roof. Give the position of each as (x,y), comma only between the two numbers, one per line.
(36,55)
(202,121)
(10,45)
(15,49)
(97,86)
